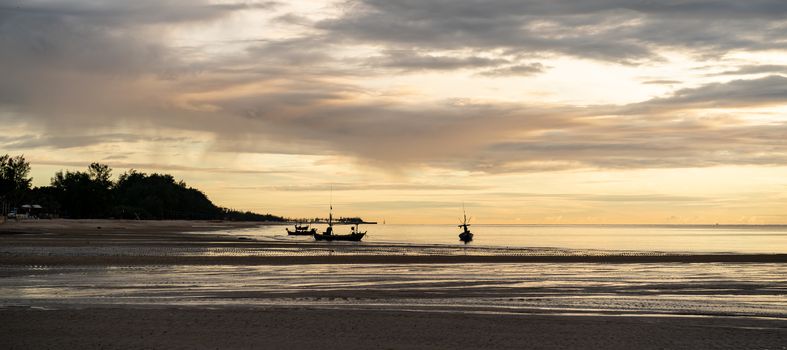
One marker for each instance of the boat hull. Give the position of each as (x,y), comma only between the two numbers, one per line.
(466,237)
(354,237)
(302,233)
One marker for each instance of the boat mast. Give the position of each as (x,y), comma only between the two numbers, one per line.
(330,211)
(464,214)
(464,218)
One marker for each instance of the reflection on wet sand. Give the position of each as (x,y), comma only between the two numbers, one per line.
(689,289)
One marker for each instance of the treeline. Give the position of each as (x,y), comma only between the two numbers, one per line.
(341,220)
(93,194)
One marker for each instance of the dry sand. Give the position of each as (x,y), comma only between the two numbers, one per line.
(116,230)
(309,326)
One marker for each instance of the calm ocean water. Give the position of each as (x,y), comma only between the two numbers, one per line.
(677,238)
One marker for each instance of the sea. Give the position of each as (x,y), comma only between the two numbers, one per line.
(647,289)
(665,238)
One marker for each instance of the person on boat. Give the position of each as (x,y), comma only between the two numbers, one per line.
(329,231)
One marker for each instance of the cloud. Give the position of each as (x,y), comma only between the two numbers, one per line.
(128,13)
(392,135)
(608,30)
(152,167)
(83,66)
(770,90)
(78,140)
(657,144)
(662,82)
(366,187)
(517,137)
(409,60)
(515,70)
(74,67)
(479,26)
(621,198)
(755,69)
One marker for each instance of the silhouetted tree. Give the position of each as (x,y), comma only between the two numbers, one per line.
(47,197)
(93,194)
(101,174)
(158,196)
(231,214)
(84,194)
(14,180)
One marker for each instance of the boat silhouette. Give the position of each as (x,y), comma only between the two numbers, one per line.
(302,230)
(466,236)
(355,235)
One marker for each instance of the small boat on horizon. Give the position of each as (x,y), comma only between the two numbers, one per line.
(466,236)
(302,230)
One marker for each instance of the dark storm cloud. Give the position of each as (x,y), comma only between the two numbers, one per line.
(611,30)
(418,25)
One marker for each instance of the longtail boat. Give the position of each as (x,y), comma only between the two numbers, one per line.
(302,230)
(355,234)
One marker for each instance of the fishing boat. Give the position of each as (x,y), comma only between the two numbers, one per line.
(355,234)
(302,230)
(466,236)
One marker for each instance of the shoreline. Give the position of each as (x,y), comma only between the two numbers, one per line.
(131,242)
(380,259)
(87,226)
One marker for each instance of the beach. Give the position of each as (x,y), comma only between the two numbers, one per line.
(186,284)
(314,328)
(393,174)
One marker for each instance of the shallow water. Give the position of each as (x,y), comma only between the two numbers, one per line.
(670,238)
(686,289)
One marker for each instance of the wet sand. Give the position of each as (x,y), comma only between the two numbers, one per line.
(180,284)
(361,329)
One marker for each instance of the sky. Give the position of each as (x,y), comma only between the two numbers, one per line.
(526,111)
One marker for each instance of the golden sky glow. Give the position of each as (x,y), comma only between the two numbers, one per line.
(537,111)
